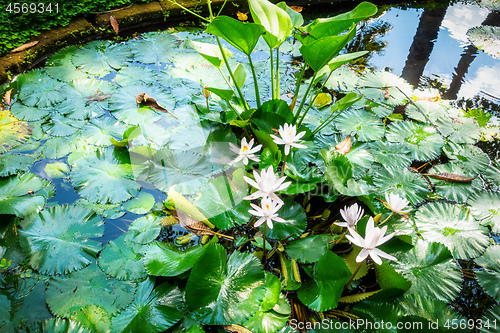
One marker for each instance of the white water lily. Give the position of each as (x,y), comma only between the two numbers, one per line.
(373,237)
(266,184)
(396,204)
(246,151)
(289,137)
(351,215)
(267,212)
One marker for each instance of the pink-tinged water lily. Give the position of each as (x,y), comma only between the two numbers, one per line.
(267,212)
(289,137)
(373,237)
(396,204)
(351,215)
(246,151)
(266,184)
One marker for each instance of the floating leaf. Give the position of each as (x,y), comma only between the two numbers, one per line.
(95,318)
(309,249)
(24,194)
(390,154)
(455,191)
(56,248)
(40,90)
(433,111)
(366,125)
(411,186)
(122,259)
(486,38)
(454,227)
(467,157)
(99,131)
(144,230)
(268,321)
(29,113)
(59,125)
(217,283)
(11,164)
(114,24)
(104,177)
(100,57)
(60,67)
(431,270)
(485,207)
(66,295)
(385,88)
(461,130)
(153,309)
(165,259)
(153,48)
(296,221)
(488,277)
(62,325)
(56,169)
(134,74)
(423,141)
(490,318)
(140,204)
(12,131)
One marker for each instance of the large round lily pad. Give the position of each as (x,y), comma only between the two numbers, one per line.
(58,239)
(12,131)
(100,57)
(104,176)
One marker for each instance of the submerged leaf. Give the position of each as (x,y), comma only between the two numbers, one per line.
(60,248)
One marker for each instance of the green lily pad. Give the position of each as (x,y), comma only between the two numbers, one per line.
(122,259)
(56,170)
(309,249)
(104,177)
(113,211)
(221,201)
(296,221)
(101,56)
(389,154)
(153,47)
(385,88)
(458,192)
(152,310)
(12,131)
(40,90)
(55,248)
(488,277)
(144,230)
(269,321)
(485,207)
(57,147)
(323,292)
(217,284)
(11,164)
(59,125)
(365,125)
(461,130)
(431,270)
(422,140)
(24,194)
(60,67)
(467,157)
(140,204)
(453,227)
(434,111)
(29,113)
(486,38)
(95,318)
(490,320)
(165,259)
(62,325)
(409,185)
(134,74)
(66,295)
(99,131)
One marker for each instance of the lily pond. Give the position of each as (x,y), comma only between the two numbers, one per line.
(272,176)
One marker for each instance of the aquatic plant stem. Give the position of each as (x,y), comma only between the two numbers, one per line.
(314,98)
(284,166)
(326,122)
(190,11)
(264,259)
(272,74)
(387,219)
(341,238)
(297,88)
(304,98)
(277,72)
(353,275)
(256,85)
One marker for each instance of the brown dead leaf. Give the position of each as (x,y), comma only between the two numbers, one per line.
(298,9)
(7,96)
(451,177)
(196,227)
(146,100)
(344,146)
(242,16)
(24,47)
(236,329)
(387,94)
(114,24)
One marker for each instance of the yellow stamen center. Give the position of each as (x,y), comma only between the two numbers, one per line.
(245,148)
(267,207)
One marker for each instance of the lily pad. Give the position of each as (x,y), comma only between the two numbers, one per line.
(62,325)
(485,207)
(458,192)
(56,248)
(365,125)
(270,321)
(66,295)
(122,259)
(296,221)
(422,140)
(389,154)
(40,90)
(140,204)
(29,113)
(488,277)
(411,186)
(467,157)
(11,164)
(95,318)
(59,125)
(100,57)
(56,170)
(489,320)
(12,131)
(461,130)
(309,249)
(486,38)
(152,310)
(60,67)
(104,177)
(134,74)
(165,259)
(217,284)
(24,194)
(433,111)
(99,131)
(453,227)
(144,230)
(431,270)
(154,47)
(385,88)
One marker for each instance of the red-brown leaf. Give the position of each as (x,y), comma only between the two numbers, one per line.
(24,46)
(452,177)
(344,146)
(6,97)
(114,24)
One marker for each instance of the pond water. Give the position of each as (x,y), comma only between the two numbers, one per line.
(93,141)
